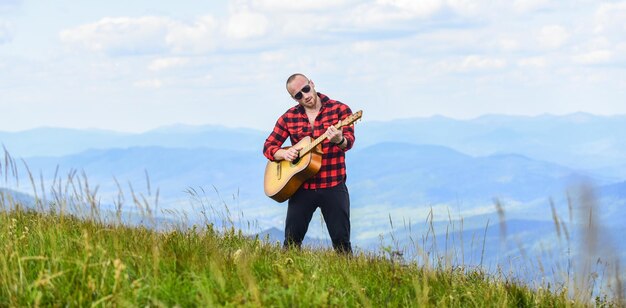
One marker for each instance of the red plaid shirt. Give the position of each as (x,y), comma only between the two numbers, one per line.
(295,125)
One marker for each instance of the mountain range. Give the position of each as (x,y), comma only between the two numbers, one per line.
(404,169)
(580,140)
(398,173)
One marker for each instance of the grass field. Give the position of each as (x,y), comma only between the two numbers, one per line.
(67,253)
(52,259)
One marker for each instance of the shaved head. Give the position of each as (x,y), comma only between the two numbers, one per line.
(294,76)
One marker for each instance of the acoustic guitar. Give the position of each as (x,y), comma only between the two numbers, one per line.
(283,178)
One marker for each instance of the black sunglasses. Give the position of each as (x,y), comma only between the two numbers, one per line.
(305,89)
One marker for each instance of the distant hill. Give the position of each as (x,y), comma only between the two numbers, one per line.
(61,141)
(579,140)
(172,170)
(617,190)
(406,173)
(395,173)
(514,238)
(10,197)
(613,200)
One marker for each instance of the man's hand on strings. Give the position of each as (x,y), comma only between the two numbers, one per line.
(289,154)
(334,135)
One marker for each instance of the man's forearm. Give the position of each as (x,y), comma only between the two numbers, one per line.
(278,155)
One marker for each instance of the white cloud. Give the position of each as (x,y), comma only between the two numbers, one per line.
(298,6)
(372,16)
(245,25)
(120,35)
(465,7)
(6,32)
(162,35)
(594,57)
(420,8)
(508,44)
(167,63)
(552,36)
(381,13)
(538,62)
(196,38)
(470,64)
(598,42)
(609,17)
(364,47)
(149,84)
(524,6)
(272,57)
(143,35)
(475,62)
(444,47)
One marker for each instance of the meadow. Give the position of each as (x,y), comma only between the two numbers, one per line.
(63,250)
(52,259)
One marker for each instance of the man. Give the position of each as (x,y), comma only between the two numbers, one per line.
(315,115)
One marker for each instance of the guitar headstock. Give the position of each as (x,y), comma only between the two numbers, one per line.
(351,118)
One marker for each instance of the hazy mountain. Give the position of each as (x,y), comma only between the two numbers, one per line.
(51,141)
(407,173)
(580,140)
(407,162)
(510,244)
(60,141)
(9,197)
(577,140)
(617,190)
(172,170)
(396,173)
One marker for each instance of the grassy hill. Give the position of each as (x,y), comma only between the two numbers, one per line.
(51,259)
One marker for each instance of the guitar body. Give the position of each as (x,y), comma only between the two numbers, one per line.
(283,178)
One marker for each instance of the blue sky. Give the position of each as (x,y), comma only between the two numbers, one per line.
(137,65)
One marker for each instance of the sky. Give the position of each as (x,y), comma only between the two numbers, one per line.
(133,66)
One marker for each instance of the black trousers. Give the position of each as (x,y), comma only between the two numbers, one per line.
(335,205)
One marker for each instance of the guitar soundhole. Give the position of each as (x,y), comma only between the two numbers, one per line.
(295,161)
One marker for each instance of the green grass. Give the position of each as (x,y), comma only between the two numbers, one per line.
(50,259)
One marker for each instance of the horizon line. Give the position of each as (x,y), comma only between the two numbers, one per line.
(221,126)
